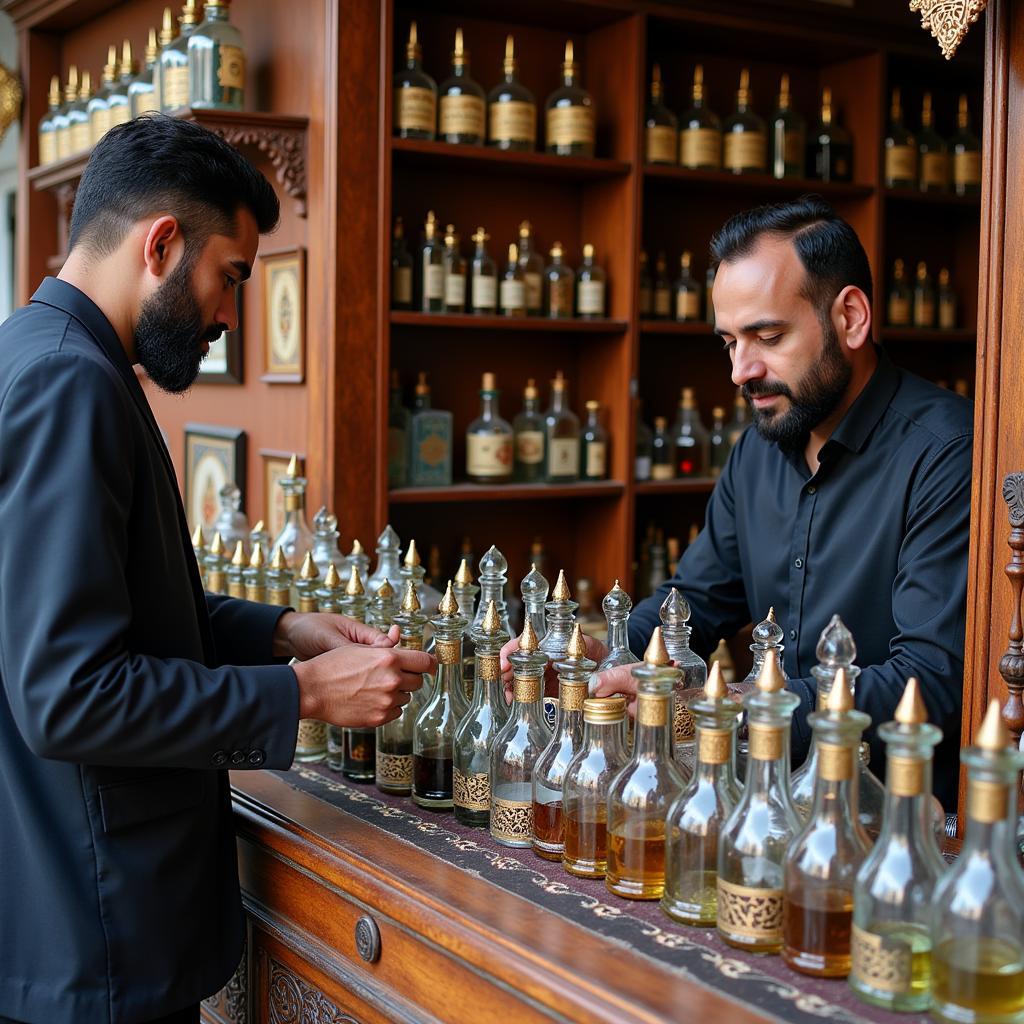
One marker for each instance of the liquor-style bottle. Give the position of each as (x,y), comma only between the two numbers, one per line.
(531,263)
(142,96)
(475,732)
(662,289)
(512,292)
(591,285)
(512,111)
(559,619)
(661,131)
(517,746)
(977,920)
(824,858)
(528,433)
(924,298)
(388,568)
(430,441)
(691,438)
(900,149)
(569,119)
(98,107)
(891,946)
(617,605)
(740,418)
(79,127)
(398,435)
(646,288)
(687,292)
(534,589)
(663,451)
(694,821)
(946,301)
(489,439)
(700,135)
(561,436)
(216,61)
(574,672)
(753,842)
(560,280)
(484,295)
(933,154)
(745,135)
(295,538)
(164,38)
(174,81)
(48,124)
(236,571)
(415,94)
(788,136)
(644,449)
(593,445)
(830,148)
(215,563)
(118,110)
(901,298)
(279,580)
(461,119)
(718,441)
(401,269)
(493,575)
(431,268)
(231,522)
(966,149)
(640,795)
(454,273)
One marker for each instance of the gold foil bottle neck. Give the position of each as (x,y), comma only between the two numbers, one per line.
(698,83)
(55,91)
(257,559)
(784,92)
(488,382)
(826,105)
(331,578)
(993,735)
(715,688)
(309,570)
(71,92)
(464,577)
(198,540)
(410,599)
(258,528)
(293,467)
(412,47)
(743,93)
(128,65)
(188,13)
(769,679)
(557,251)
(238,558)
(588,252)
(492,620)
(217,545)
(152,49)
(85,92)
(278,562)
(528,638)
(430,225)
(412,556)
(656,654)
(110,68)
(510,55)
(569,64)
(354,587)
(561,591)
(385,591)
(448,606)
(911,709)
(577,643)
(167,28)
(459,54)
(840,697)
(656,82)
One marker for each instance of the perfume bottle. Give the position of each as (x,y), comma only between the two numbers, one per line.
(691,438)
(279,580)
(216,60)
(767,635)
(695,820)
(79,126)
(569,114)
(325,541)
(534,589)
(389,550)
(617,606)
(788,133)
(412,569)
(591,287)
(231,522)
(687,292)
(966,150)
(215,564)
(593,444)
(236,571)
(560,283)
(98,107)
(415,94)
(560,610)
(512,291)
(430,441)
(528,437)
(744,135)
(358,745)
(489,439)
(531,263)
(295,538)
(661,130)
(900,149)
(48,125)
(465,593)
(401,268)
(199,550)
(700,135)
(484,295)
(933,155)
(493,569)
(675,630)
(512,112)
(461,118)
(562,436)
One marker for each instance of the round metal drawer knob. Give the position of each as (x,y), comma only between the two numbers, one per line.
(368,939)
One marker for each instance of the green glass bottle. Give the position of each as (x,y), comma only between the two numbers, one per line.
(216,61)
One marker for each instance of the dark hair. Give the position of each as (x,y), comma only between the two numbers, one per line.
(155,162)
(828,247)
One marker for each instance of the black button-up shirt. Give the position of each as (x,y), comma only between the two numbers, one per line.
(878,534)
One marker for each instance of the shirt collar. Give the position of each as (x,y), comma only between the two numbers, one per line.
(868,407)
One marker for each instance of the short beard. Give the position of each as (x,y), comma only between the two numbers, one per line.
(817,395)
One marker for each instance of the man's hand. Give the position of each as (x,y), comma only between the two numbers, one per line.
(308,634)
(618,680)
(595,651)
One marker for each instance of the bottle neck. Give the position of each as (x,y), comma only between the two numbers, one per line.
(652,739)
(769,776)
(488,405)
(618,638)
(530,406)
(606,736)
(991,816)
(217,12)
(538,619)
(448,679)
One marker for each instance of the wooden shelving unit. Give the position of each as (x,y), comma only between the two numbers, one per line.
(507,492)
(472,321)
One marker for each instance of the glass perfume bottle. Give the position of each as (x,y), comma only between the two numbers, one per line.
(900,305)
(79,127)
(231,523)
(593,444)
(694,821)
(617,606)
(700,134)
(675,630)
(560,610)
(574,672)
(389,552)
(454,273)
(306,584)
(358,745)
(401,268)
(531,263)
(823,860)
(118,110)
(640,795)
(977,920)
(476,730)
(560,285)
(517,746)
(489,439)
(744,135)
(591,286)
(461,118)
(255,575)
(381,613)
(215,563)
(330,594)
(279,580)
(412,570)
(236,571)
(534,589)
(662,289)
(569,121)
(900,149)
(415,94)
(173,62)
(663,451)
(484,293)
(528,434)
(512,111)
(430,441)
(465,593)
(687,292)
(325,541)
(295,538)
(141,92)
(98,107)
(561,436)
(661,130)
(933,155)
(512,291)
(48,125)
(431,267)
(691,438)
(753,842)
(788,135)
(718,442)
(644,448)
(966,150)
(493,575)
(646,288)
(216,61)
(830,148)
(924,298)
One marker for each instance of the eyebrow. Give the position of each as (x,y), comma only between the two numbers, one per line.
(243,268)
(757,325)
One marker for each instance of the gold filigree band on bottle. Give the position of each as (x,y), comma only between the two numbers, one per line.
(755,914)
(881,964)
(765,742)
(904,775)
(312,734)
(715,746)
(652,710)
(490,666)
(394,769)
(511,820)
(527,689)
(471,792)
(835,762)
(448,651)
(684,727)
(573,696)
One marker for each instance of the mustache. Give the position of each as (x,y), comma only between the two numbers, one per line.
(762,389)
(211,334)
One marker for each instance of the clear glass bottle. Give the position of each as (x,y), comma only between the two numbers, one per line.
(454,273)
(398,435)
(279,580)
(932,152)
(358,745)
(687,291)
(48,125)
(415,94)
(401,268)
(528,434)
(511,108)
(593,445)
(79,126)
(255,576)
(830,148)
(388,568)
(646,288)
(924,297)
(643,454)
(98,107)
(574,672)
(295,538)
(560,285)
(691,438)
(489,439)
(640,795)
(382,609)
(412,570)
(591,287)
(492,576)
(118,110)
(534,589)
(569,119)
(900,149)
(517,746)
(662,289)
(231,522)
(173,64)
(700,131)
(215,564)
(430,441)
(561,436)
(661,130)
(307,583)
(560,610)
(965,148)
(512,291)
(617,606)
(142,96)
(663,451)
(484,294)
(465,593)
(788,136)
(431,268)
(946,302)
(236,571)
(891,944)
(531,263)
(900,305)
(164,38)
(461,118)
(977,920)
(740,419)
(216,61)
(718,442)
(330,597)
(676,631)
(694,821)
(745,135)
(753,842)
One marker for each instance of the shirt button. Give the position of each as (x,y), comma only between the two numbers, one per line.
(799,563)
(792,634)
(811,489)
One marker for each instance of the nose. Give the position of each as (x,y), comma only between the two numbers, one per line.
(227,312)
(747,364)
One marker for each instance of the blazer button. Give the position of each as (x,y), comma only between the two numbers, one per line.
(220,758)
(238,757)
(256,758)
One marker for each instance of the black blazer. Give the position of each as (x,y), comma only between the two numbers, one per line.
(119,895)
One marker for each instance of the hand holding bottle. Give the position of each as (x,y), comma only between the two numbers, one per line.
(306,635)
(595,651)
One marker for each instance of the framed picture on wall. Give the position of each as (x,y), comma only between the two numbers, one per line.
(283,278)
(214,457)
(223,363)
(275,466)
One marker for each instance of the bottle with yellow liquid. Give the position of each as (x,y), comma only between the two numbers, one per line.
(892,897)
(977,922)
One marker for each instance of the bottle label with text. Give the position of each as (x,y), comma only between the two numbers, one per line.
(700,147)
(489,455)
(417,110)
(745,151)
(563,456)
(590,298)
(513,121)
(569,126)
(485,292)
(462,115)
(661,144)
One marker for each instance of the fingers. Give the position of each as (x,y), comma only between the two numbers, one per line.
(615,680)
(596,650)
(506,666)
(414,661)
(393,634)
(410,682)
(360,633)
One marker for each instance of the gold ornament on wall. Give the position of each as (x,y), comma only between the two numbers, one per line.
(10,99)
(948,20)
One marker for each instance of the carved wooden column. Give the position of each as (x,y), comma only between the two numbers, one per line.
(1011,665)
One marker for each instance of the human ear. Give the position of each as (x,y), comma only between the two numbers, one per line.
(851,314)
(162,242)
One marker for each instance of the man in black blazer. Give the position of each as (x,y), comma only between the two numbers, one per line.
(125,692)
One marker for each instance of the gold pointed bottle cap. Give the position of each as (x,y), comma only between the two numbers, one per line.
(769,679)
(259,527)
(331,578)
(309,570)
(528,639)
(656,654)
(840,697)
(577,643)
(412,556)
(771,614)
(561,591)
(198,540)
(385,591)
(257,559)
(293,467)
(151,47)
(492,620)
(448,606)
(410,600)
(993,734)
(464,577)
(911,709)
(355,583)
(238,558)
(217,545)
(167,28)
(357,547)
(715,688)
(278,563)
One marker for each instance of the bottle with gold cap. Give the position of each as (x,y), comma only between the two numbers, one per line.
(306,584)
(415,94)
(480,723)
(493,569)
(700,131)
(430,440)
(695,820)
(174,82)
(977,917)
(330,594)
(199,550)
(354,602)
(361,560)
(255,575)
(63,124)
(675,631)
(946,301)
(662,294)
(531,262)
(461,120)
(216,61)
(215,563)
(900,303)
(574,672)
(691,438)
(236,571)
(640,795)
(900,149)
(49,124)
(231,521)
(891,944)
(512,290)
(528,437)
(559,285)
(787,136)
(489,439)
(661,128)
(744,134)
(484,280)
(511,109)
(295,538)
(932,152)
(79,126)
(559,620)
(383,607)
(259,534)
(454,273)
(687,291)
(118,108)
(569,119)
(593,444)
(517,746)
(164,39)
(98,106)
(965,148)
(325,542)
(279,580)
(465,593)
(924,297)
(142,97)
(401,268)
(412,569)
(561,436)
(823,860)
(591,287)
(753,842)
(830,148)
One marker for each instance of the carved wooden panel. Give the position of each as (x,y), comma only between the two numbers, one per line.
(293,1000)
(231,1004)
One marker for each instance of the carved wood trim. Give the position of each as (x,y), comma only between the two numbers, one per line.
(1011,665)
(293,1000)
(231,1004)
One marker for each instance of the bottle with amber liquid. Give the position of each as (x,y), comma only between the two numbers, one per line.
(569,120)
(562,436)
(560,285)
(401,268)
(641,794)
(646,288)
(489,439)
(593,444)
(891,945)
(531,263)
(358,745)
(591,287)
(788,136)
(454,273)
(924,298)
(933,155)
(977,920)
(574,673)
(511,109)
(484,284)
(700,131)
(830,148)
(415,95)
(512,291)
(661,131)
(744,135)
(528,437)
(687,292)
(946,302)
(899,309)
(461,108)
(662,289)
(691,438)
(663,451)
(966,150)
(900,149)
(431,268)
(518,745)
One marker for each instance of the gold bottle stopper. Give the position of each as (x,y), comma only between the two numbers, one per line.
(430,224)
(167,27)
(259,527)
(354,588)
(840,697)
(492,621)
(238,558)
(588,251)
(656,82)
(152,49)
(826,105)
(687,400)
(450,237)
(410,600)
(129,66)
(385,591)
(413,50)
(526,229)
(715,688)
(422,387)
(561,591)
(217,545)
(993,736)
(279,562)
(464,577)
(460,55)
(557,251)
(922,271)
(71,89)
(309,570)
(656,653)
(698,83)
(577,648)
(292,472)
(530,391)
(513,254)
(769,679)
(510,55)
(480,236)
(188,14)
(488,382)
(449,606)
(110,68)
(85,92)
(684,260)
(331,578)
(527,639)
(559,381)
(569,64)
(54,97)
(784,92)
(257,559)
(412,556)
(911,709)
(357,547)
(743,93)
(198,540)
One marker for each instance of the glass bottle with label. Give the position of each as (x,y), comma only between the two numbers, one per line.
(79,127)
(753,842)
(924,298)
(933,155)
(663,451)
(560,283)
(512,112)
(691,438)
(484,295)
(718,441)
(465,593)
(745,135)
(687,292)
(534,589)
(966,149)
(561,436)
(700,134)
(593,445)
(461,118)
(662,293)
(590,287)
(398,435)
(48,124)
(899,308)
(946,301)
(644,450)
(900,149)
(216,61)
(493,569)
(559,613)
(401,269)
(977,921)
(528,432)
(164,38)
(532,265)
(661,131)
(740,419)
(415,94)
(118,110)
(788,137)
(512,292)
(430,441)
(489,439)
(569,122)
(142,95)
(891,944)
(830,148)
(389,550)
(98,107)
(174,62)
(646,288)
(431,268)
(454,273)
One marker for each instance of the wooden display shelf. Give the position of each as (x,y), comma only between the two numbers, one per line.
(957,336)
(909,195)
(697,328)
(411,318)
(692,485)
(506,492)
(725,181)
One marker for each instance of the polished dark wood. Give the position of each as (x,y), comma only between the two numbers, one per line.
(926,335)
(1011,664)
(469,321)
(507,492)
(695,485)
(754,184)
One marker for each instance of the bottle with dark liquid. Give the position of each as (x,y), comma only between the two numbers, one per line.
(461,117)
(824,858)
(465,593)
(787,137)
(900,149)
(933,163)
(415,95)
(966,150)
(700,135)
(830,148)
(358,746)
(511,110)
(661,130)
(745,135)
